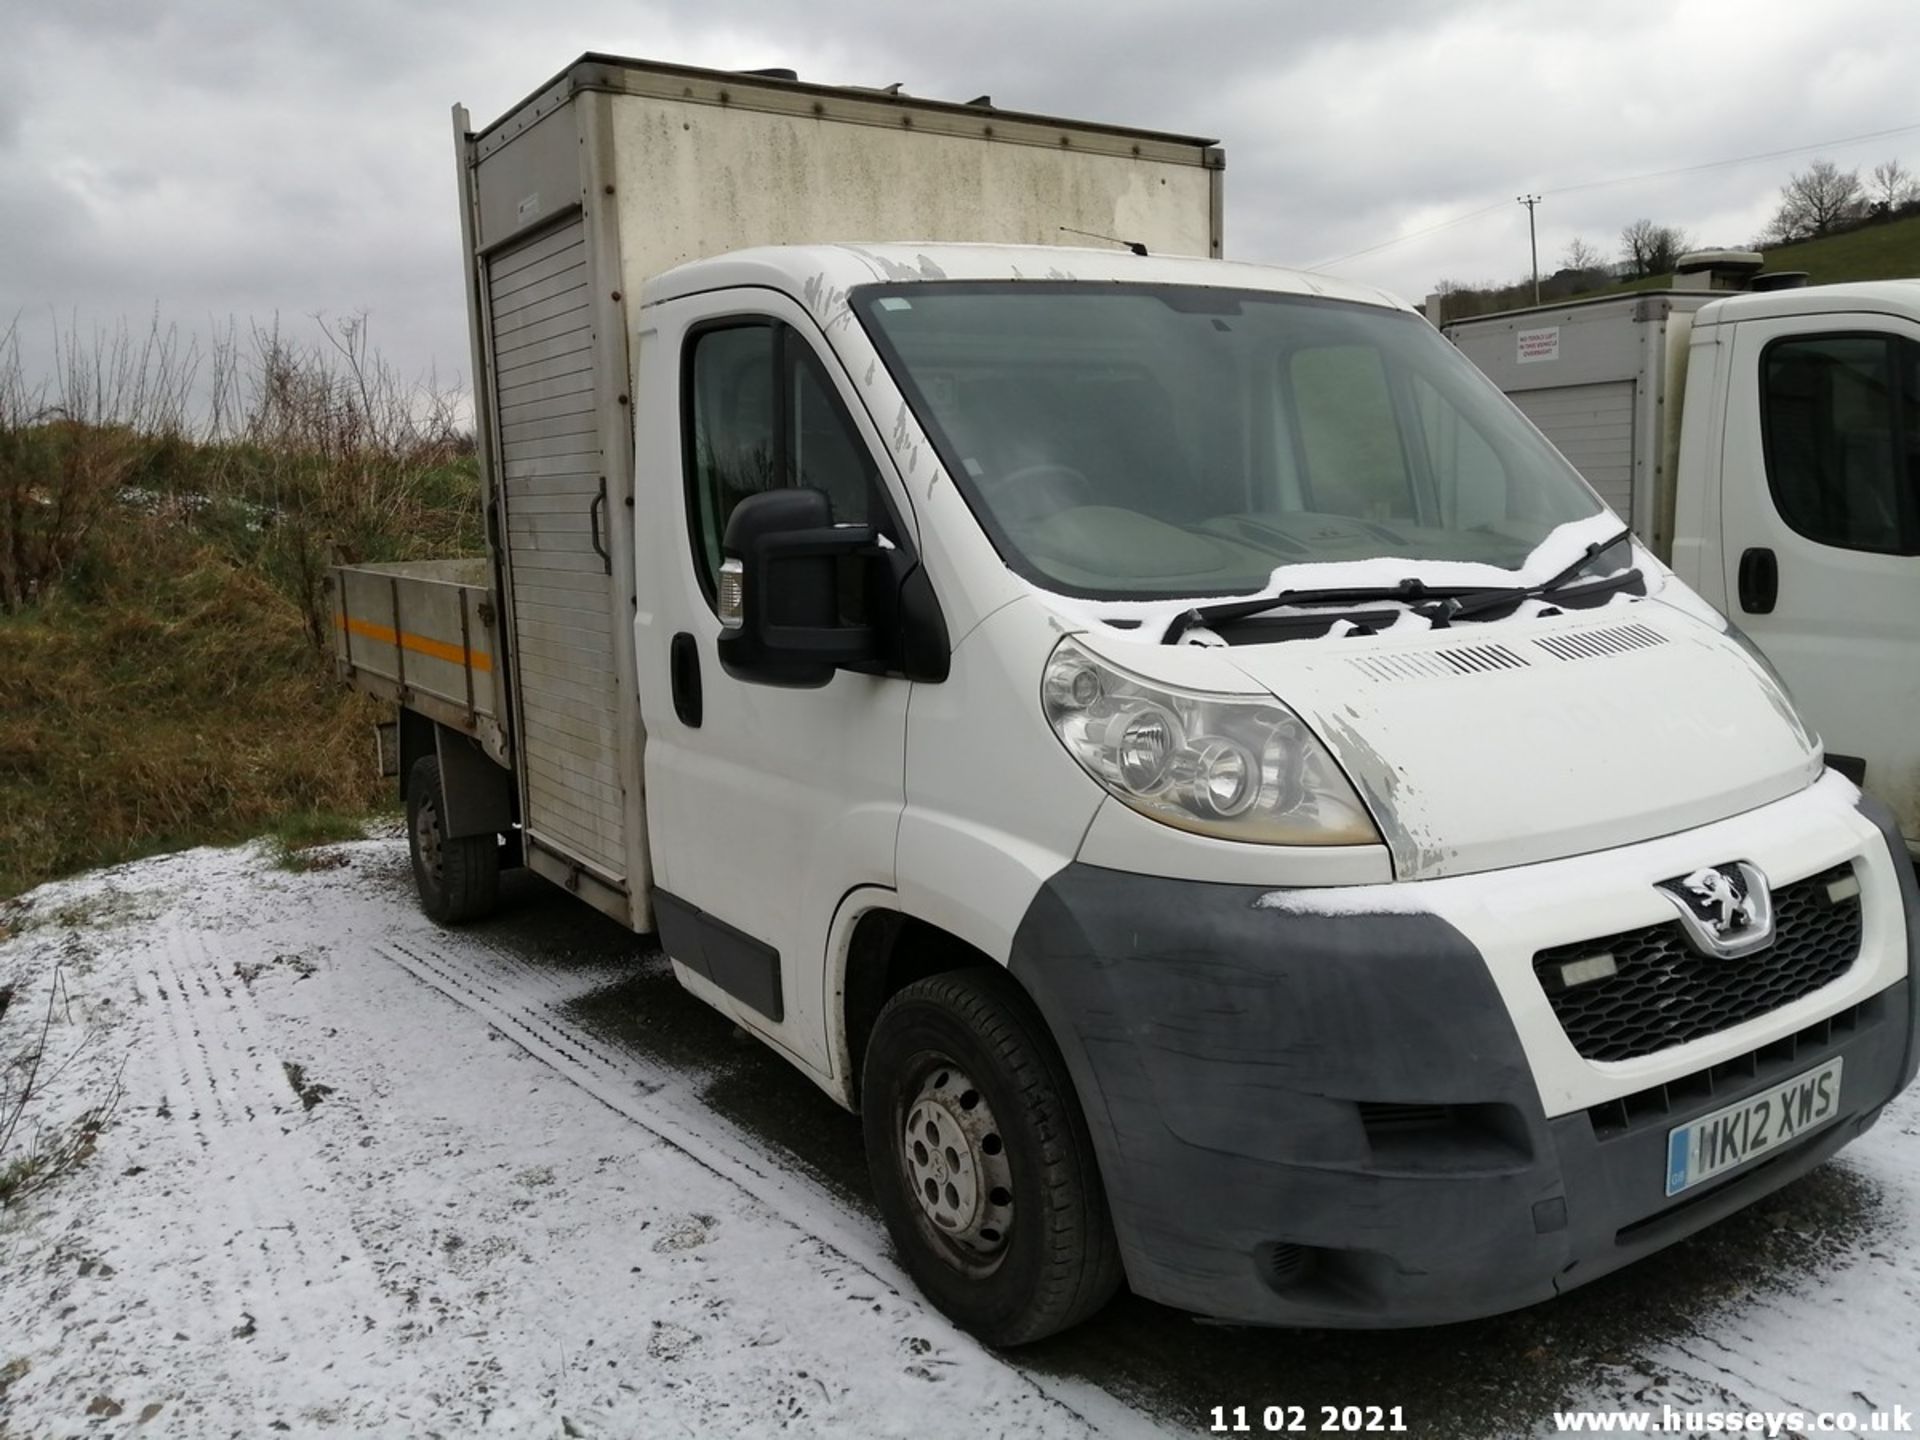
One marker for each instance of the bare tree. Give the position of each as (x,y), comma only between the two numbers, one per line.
(1816,202)
(1580,255)
(1652,249)
(1893,186)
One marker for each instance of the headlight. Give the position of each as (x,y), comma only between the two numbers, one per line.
(1225,765)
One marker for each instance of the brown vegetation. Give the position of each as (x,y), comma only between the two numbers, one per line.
(166,520)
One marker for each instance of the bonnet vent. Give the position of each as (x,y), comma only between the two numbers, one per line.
(1438,664)
(1591,644)
(1489,658)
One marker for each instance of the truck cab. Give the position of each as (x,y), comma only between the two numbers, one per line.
(1797,508)
(1313,754)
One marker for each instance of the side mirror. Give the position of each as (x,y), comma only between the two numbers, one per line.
(781,613)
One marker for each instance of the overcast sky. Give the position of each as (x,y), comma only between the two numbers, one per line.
(232,158)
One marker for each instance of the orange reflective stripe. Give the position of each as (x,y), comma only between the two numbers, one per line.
(406,640)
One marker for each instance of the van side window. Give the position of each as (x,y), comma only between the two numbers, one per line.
(1840,421)
(760,413)
(732,434)
(1348,434)
(826,452)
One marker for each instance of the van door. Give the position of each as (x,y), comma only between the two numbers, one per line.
(1820,510)
(765,805)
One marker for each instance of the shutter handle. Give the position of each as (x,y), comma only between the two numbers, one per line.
(593,522)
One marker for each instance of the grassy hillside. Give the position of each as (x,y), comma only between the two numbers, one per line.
(181,703)
(1886,251)
(1873,252)
(164,672)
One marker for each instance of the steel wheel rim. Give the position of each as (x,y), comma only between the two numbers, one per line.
(953,1161)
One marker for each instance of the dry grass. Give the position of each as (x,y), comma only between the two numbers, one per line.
(164,679)
(186,705)
(34,1154)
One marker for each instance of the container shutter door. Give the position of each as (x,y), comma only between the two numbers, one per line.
(1592,425)
(550,470)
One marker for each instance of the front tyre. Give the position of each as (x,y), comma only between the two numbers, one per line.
(458,879)
(981,1160)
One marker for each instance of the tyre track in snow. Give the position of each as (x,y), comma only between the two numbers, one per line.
(451,1241)
(229,1293)
(244,1136)
(269,1215)
(513,1257)
(523,1001)
(176,1072)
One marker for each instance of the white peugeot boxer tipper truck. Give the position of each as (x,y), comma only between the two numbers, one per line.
(1161,738)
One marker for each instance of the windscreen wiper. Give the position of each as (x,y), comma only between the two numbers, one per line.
(1225,612)
(1450,603)
(1561,583)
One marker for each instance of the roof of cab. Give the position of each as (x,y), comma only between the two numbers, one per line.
(829,270)
(1887,297)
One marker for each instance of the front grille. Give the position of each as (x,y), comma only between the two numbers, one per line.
(1655,1107)
(1663,992)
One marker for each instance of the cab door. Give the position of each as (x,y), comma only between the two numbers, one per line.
(1820,513)
(765,805)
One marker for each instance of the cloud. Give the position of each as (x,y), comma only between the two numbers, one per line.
(228,158)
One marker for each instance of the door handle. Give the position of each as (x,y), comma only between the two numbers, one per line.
(1759,580)
(683,662)
(593,523)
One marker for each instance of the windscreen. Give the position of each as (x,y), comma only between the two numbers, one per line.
(1134,441)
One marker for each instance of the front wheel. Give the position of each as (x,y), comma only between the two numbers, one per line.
(458,879)
(981,1160)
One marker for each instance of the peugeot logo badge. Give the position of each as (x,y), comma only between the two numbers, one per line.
(1726,910)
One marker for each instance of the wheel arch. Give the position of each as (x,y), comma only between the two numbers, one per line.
(877,950)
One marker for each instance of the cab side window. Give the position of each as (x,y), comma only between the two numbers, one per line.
(732,437)
(760,413)
(1840,420)
(826,453)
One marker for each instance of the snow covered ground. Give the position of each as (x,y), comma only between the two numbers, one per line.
(362,1175)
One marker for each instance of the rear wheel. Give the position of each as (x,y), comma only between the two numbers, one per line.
(458,879)
(981,1161)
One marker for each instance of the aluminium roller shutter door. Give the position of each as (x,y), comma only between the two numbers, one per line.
(550,471)
(1592,425)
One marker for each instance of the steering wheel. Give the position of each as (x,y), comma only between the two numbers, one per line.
(1022,491)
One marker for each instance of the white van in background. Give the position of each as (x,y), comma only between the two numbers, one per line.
(1160,738)
(1767,446)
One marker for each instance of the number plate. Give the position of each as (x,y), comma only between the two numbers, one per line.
(1751,1128)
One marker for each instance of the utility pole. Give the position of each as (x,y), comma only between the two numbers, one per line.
(1533,243)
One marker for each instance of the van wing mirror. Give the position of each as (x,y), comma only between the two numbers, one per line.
(784,579)
(801,597)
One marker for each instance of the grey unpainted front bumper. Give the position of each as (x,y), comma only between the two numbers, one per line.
(1328,1120)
